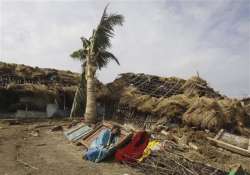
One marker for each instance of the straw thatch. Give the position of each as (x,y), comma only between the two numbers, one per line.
(195,86)
(172,106)
(32,89)
(234,113)
(192,101)
(204,113)
(247,109)
(40,86)
(148,105)
(35,74)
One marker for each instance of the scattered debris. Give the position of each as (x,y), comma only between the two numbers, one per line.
(158,104)
(34,133)
(168,161)
(57,128)
(193,146)
(77,132)
(232,142)
(236,169)
(12,121)
(26,164)
(21,161)
(42,144)
(42,125)
(92,135)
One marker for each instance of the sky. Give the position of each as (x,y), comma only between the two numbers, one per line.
(159,37)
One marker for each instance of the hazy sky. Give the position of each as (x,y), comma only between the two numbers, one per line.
(167,38)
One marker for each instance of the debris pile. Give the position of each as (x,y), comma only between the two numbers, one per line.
(195,86)
(167,161)
(204,113)
(31,88)
(157,152)
(22,74)
(192,101)
(24,87)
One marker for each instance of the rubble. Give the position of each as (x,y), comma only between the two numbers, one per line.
(204,113)
(232,142)
(92,135)
(191,102)
(183,115)
(168,162)
(27,88)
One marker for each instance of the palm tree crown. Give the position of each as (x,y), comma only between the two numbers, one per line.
(99,42)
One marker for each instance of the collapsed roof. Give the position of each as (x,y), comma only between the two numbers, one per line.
(191,100)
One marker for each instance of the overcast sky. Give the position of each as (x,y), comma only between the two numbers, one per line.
(167,38)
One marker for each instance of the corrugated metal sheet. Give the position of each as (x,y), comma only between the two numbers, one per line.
(77,132)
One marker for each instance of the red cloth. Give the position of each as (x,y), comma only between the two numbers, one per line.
(134,149)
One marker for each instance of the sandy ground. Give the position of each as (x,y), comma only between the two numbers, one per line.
(49,153)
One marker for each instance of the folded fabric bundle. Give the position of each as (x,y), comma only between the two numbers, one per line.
(134,150)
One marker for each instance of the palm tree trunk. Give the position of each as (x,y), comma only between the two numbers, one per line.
(90,113)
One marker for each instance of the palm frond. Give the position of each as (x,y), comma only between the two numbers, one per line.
(85,42)
(78,55)
(104,57)
(105,30)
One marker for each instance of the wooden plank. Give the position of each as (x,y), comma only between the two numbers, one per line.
(230,147)
(77,132)
(87,140)
(219,134)
(89,134)
(249,145)
(239,141)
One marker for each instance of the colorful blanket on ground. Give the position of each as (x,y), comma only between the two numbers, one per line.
(101,146)
(134,149)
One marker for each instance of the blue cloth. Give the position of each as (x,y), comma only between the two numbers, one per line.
(101,146)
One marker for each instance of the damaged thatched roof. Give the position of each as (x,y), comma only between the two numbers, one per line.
(18,81)
(34,74)
(158,87)
(192,100)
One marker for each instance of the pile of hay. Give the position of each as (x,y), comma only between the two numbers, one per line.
(148,105)
(195,103)
(33,90)
(209,113)
(21,71)
(173,106)
(142,103)
(6,68)
(247,109)
(132,98)
(204,113)
(102,92)
(234,114)
(24,71)
(195,86)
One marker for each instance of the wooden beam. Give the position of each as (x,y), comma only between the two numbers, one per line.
(249,145)
(230,147)
(219,134)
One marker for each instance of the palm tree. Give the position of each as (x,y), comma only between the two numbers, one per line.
(95,55)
